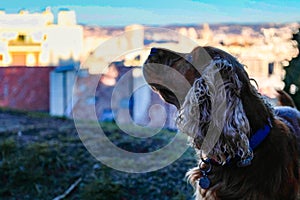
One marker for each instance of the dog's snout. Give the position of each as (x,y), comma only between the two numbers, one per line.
(153,51)
(156,56)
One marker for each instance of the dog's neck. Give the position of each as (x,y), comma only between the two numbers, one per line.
(206,162)
(257,110)
(254,141)
(260,116)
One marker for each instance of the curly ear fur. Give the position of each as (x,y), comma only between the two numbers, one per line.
(213,105)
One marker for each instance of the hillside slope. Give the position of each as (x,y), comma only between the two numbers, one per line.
(41,156)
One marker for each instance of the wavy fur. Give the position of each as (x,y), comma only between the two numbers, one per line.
(203,105)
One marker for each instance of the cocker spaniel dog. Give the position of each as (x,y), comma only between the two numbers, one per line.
(246,148)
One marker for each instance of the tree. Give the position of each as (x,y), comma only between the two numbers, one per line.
(292,75)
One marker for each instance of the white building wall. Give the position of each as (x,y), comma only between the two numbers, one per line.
(61,91)
(56,94)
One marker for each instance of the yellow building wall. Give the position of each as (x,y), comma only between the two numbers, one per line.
(32,39)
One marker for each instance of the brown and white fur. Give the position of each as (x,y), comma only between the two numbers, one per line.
(220,110)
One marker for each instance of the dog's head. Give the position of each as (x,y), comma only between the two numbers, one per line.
(213,95)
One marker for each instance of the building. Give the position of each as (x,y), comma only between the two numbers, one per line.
(121,95)
(33,39)
(25,88)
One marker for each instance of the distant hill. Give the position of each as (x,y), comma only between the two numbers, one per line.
(232,27)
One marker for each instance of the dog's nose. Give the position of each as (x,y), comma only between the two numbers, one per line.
(156,55)
(153,51)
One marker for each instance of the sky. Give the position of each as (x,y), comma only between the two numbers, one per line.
(164,12)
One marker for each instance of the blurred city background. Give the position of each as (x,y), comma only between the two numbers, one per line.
(46,49)
(41,54)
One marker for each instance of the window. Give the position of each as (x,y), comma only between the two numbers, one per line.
(21,38)
(270,68)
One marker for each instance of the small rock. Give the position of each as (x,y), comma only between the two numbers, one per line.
(96,166)
(19,133)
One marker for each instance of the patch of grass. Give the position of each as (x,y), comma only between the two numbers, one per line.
(31,170)
(103,186)
(34,114)
(45,167)
(7,147)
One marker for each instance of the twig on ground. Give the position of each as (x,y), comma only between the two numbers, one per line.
(68,191)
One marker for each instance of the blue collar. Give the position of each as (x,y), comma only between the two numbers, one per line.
(260,136)
(254,142)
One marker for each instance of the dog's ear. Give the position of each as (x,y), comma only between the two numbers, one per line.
(213,113)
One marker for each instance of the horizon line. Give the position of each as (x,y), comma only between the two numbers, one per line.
(193,24)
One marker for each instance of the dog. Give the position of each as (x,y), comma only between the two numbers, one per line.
(246,148)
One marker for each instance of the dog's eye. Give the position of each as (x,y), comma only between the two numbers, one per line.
(170,61)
